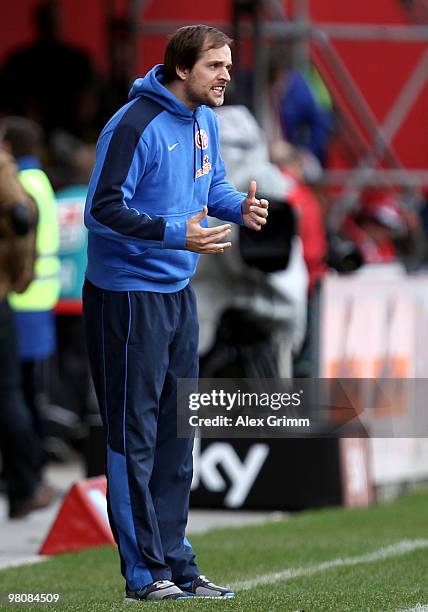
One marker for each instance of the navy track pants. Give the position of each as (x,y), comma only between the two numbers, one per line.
(139,344)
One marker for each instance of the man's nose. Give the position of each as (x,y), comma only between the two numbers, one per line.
(224,74)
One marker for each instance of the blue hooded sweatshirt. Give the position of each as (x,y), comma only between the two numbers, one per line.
(158,164)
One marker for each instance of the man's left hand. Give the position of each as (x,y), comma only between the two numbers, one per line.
(254,211)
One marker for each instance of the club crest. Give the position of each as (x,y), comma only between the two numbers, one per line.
(201,139)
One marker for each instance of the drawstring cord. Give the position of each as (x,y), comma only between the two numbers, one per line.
(194,149)
(195,122)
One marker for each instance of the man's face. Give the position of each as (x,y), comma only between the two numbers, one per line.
(207,80)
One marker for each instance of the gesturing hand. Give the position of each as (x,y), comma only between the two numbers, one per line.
(206,239)
(254,211)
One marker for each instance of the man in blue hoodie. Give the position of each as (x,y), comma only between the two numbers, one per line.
(157,175)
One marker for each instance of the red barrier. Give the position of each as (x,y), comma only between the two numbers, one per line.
(82,520)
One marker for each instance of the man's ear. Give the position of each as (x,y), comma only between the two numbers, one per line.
(182,73)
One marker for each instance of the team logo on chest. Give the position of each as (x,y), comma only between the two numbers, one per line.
(201,139)
(206,167)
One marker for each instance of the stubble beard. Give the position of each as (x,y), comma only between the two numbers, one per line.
(197,99)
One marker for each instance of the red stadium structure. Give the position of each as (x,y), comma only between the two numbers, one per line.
(372,56)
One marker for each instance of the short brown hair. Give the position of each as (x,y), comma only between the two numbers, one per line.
(186,46)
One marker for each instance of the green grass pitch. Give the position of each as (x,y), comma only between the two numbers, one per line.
(314,561)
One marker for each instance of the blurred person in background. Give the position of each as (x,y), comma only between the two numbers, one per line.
(121,61)
(34,307)
(423,223)
(299,167)
(51,81)
(74,390)
(251,319)
(19,443)
(300,107)
(384,231)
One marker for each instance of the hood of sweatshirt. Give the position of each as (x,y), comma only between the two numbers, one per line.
(151,86)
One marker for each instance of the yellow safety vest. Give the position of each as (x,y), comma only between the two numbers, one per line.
(43,292)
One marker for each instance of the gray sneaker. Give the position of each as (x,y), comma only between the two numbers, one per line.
(202,587)
(156,591)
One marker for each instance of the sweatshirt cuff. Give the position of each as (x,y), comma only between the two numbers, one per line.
(237,210)
(240,211)
(175,236)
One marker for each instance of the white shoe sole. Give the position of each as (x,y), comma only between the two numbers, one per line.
(131,600)
(214,597)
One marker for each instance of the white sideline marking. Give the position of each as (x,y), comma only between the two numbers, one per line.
(400,548)
(418,608)
(21,561)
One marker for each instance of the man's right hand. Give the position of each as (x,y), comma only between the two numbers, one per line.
(206,239)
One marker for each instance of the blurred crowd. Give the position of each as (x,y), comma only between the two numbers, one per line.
(52,107)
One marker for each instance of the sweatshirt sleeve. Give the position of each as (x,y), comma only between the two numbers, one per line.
(224,202)
(121,163)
